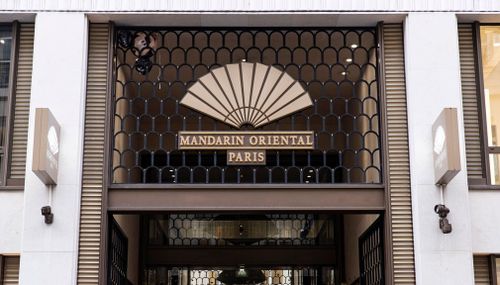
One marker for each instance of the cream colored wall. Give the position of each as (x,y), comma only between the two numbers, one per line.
(49,253)
(130,224)
(11,207)
(354,226)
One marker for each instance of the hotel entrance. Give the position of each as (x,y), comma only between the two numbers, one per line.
(243,248)
(246,248)
(245,156)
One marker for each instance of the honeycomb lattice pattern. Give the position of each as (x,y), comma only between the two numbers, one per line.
(338,68)
(236,230)
(273,276)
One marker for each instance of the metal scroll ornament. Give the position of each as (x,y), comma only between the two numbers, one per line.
(245,93)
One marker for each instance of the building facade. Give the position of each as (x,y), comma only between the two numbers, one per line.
(236,142)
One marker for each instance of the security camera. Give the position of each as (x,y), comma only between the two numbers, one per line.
(47,213)
(443,212)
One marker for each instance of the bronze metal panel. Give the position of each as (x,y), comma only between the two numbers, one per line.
(91,268)
(397,155)
(10,270)
(385,164)
(470,79)
(2,261)
(482,270)
(18,136)
(253,256)
(244,198)
(108,150)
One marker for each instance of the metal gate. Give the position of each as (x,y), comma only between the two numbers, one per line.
(371,255)
(118,250)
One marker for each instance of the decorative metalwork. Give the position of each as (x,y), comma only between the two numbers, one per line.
(143,45)
(247,93)
(117,256)
(273,276)
(240,230)
(336,66)
(371,255)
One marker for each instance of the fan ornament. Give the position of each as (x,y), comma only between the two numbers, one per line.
(246,94)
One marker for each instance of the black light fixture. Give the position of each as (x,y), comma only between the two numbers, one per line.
(143,45)
(241,276)
(124,39)
(143,65)
(243,235)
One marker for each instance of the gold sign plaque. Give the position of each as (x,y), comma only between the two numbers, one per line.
(246,157)
(245,147)
(246,140)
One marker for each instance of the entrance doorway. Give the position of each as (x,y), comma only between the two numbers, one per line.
(245,248)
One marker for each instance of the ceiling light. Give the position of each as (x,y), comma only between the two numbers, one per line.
(348,60)
(241,276)
(344,73)
(2,41)
(354,46)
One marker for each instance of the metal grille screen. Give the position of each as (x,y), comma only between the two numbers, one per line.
(282,276)
(371,255)
(240,230)
(337,67)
